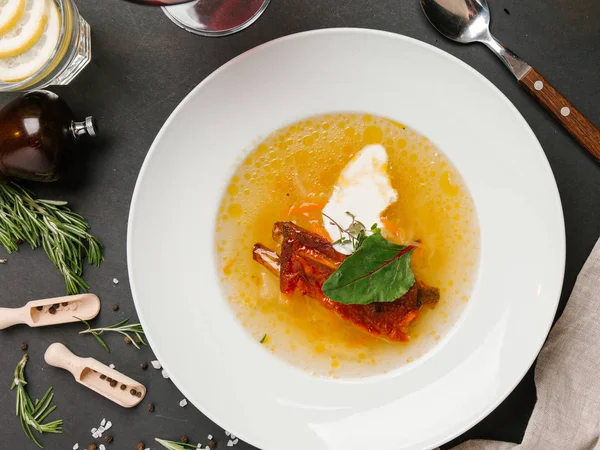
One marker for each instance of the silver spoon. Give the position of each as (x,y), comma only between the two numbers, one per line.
(467,21)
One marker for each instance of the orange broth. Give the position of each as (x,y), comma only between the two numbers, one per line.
(290,176)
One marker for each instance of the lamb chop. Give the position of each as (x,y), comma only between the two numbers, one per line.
(307,260)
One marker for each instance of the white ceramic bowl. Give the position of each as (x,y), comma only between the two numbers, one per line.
(229,376)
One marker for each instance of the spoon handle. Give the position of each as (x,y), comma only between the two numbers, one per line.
(11,316)
(569,117)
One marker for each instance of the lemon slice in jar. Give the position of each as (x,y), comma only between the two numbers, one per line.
(26,64)
(27,31)
(11,12)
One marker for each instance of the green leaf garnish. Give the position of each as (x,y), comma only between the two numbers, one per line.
(172,445)
(263,339)
(378,271)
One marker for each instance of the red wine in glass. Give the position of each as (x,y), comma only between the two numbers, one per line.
(210,17)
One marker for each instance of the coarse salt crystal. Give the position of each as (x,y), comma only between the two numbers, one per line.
(165,374)
(183,402)
(103,422)
(102,447)
(230,443)
(156,364)
(232,436)
(227,433)
(108,425)
(16,381)
(115,281)
(76,446)
(95,435)
(112,366)
(94,430)
(210,436)
(235,441)
(101,429)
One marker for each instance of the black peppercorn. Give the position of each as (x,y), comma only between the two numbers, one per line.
(123,387)
(56,306)
(113,383)
(23,346)
(143,366)
(108,439)
(138,394)
(185,439)
(133,392)
(212,443)
(39,308)
(127,340)
(102,376)
(115,307)
(65,303)
(151,407)
(140,446)
(52,310)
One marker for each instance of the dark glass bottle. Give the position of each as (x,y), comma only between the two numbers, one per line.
(38,135)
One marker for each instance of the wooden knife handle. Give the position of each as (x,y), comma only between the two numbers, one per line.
(563,111)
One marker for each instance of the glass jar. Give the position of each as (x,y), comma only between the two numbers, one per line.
(71,53)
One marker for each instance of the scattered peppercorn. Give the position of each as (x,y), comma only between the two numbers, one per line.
(102,376)
(140,446)
(92,447)
(24,346)
(151,407)
(212,443)
(65,303)
(143,366)
(39,308)
(185,439)
(115,307)
(109,379)
(133,392)
(113,383)
(108,439)
(138,394)
(52,310)
(123,387)
(127,340)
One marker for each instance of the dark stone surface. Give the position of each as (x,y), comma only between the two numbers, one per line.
(143,66)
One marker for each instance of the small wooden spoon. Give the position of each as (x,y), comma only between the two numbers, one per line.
(51,311)
(98,377)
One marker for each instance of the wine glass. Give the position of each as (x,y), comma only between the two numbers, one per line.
(210,17)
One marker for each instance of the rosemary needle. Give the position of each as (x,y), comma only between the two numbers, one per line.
(50,224)
(172,445)
(31,415)
(120,327)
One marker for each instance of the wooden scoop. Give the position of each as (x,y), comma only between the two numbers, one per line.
(98,377)
(51,311)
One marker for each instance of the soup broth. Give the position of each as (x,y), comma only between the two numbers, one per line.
(287,178)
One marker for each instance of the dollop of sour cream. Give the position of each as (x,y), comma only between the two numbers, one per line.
(363,189)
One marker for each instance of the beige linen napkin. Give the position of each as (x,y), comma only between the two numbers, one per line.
(567,376)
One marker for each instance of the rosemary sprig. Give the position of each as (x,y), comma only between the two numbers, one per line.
(120,327)
(172,445)
(50,224)
(32,415)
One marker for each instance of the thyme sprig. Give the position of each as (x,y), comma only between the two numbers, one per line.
(32,415)
(52,225)
(355,234)
(126,330)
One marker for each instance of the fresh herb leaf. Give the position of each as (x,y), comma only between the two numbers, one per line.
(379,271)
(121,328)
(262,341)
(355,234)
(33,415)
(50,224)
